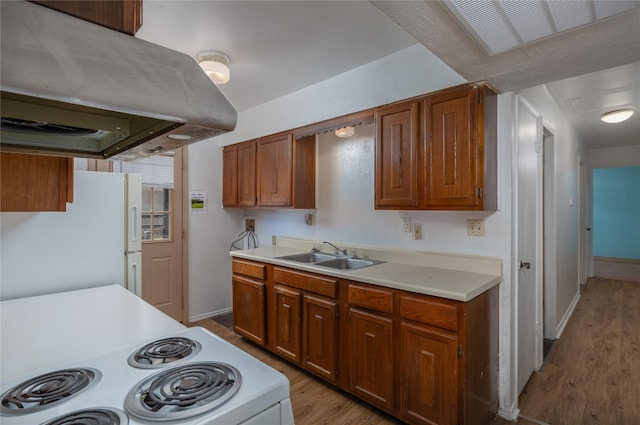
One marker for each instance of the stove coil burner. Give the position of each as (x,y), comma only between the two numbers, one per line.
(183,391)
(48,390)
(158,353)
(94,416)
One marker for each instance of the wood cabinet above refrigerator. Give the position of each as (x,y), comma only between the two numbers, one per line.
(35,182)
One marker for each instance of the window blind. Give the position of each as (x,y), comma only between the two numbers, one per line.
(156,171)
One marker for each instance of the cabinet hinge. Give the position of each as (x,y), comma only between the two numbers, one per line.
(479,193)
(337,372)
(479,98)
(337,314)
(460,351)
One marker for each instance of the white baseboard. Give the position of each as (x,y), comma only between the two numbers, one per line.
(567,315)
(510,414)
(210,315)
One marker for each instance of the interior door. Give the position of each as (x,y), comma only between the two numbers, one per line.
(527,264)
(162,266)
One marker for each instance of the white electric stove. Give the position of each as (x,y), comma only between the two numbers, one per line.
(187,376)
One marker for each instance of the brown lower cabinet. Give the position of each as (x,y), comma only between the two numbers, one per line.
(423,359)
(371,373)
(249,300)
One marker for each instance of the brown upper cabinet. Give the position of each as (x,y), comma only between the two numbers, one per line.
(239,175)
(230,176)
(399,169)
(438,152)
(120,15)
(277,171)
(35,182)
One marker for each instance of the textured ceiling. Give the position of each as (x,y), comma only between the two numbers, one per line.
(276,47)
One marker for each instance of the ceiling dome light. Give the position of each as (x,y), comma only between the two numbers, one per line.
(215,65)
(345,132)
(617,116)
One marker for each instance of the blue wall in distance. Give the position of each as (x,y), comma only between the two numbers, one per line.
(616,212)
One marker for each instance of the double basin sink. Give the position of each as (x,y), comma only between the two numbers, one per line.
(332,261)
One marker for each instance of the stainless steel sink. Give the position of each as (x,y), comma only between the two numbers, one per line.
(308,257)
(348,263)
(330,261)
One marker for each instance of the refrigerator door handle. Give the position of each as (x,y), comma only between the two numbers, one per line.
(133,278)
(134,223)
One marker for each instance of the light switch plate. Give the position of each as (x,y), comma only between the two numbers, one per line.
(406,224)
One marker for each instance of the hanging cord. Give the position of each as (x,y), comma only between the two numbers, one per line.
(252,239)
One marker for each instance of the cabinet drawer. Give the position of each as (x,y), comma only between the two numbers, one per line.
(372,298)
(248,268)
(308,282)
(430,311)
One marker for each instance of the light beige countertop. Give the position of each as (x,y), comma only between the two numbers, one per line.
(452,276)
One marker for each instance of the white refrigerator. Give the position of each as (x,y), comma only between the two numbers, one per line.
(95,242)
(133,233)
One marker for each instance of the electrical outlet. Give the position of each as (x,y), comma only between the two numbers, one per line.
(406,224)
(250,224)
(417,231)
(475,228)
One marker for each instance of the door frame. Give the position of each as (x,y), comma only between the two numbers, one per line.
(185,233)
(538,268)
(549,232)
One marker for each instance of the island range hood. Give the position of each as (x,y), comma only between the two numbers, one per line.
(74,88)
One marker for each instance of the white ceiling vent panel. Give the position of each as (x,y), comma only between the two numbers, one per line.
(570,14)
(530,19)
(487,24)
(500,26)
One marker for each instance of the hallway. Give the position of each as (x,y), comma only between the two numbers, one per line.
(592,374)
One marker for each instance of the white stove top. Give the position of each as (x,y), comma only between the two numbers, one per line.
(261,386)
(100,328)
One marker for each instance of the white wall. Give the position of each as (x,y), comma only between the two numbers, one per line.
(567,151)
(409,72)
(622,156)
(345,177)
(406,73)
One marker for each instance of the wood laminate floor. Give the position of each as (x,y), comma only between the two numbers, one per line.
(590,376)
(313,401)
(592,373)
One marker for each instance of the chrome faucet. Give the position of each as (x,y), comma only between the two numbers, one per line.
(343,251)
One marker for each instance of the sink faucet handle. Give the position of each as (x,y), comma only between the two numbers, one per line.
(314,249)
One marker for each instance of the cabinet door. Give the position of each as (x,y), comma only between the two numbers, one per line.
(429,385)
(453,154)
(371,352)
(121,15)
(247,174)
(274,165)
(32,183)
(248,308)
(230,176)
(287,331)
(320,332)
(398,164)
